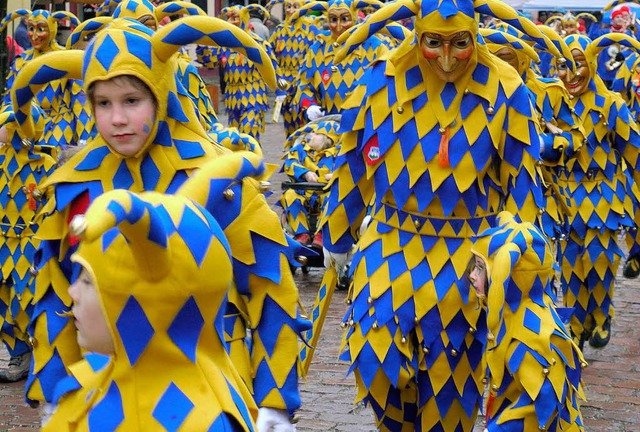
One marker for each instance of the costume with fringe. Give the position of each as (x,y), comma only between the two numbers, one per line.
(291,41)
(245,93)
(324,82)
(63,101)
(561,130)
(437,160)
(23,166)
(599,181)
(533,366)
(177,146)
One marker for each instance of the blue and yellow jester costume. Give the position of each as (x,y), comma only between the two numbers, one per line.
(177,146)
(600,183)
(560,129)
(627,83)
(323,81)
(437,160)
(533,366)
(291,41)
(164,313)
(301,159)
(23,166)
(245,93)
(192,84)
(63,100)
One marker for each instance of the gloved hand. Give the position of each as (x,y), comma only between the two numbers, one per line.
(274,420)
(281,98)
(314,112)
(339,260)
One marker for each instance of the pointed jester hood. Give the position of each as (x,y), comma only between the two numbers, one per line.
(165,314)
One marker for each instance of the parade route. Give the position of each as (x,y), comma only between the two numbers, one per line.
(612,379)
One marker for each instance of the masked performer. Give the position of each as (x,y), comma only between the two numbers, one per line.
(439,137)
(324,83)
(291,41)
(63,101)
(599,181)
(561,130)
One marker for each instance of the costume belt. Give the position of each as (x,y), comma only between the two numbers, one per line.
(452,227)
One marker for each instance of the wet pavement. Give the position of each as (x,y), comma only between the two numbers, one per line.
(612,379)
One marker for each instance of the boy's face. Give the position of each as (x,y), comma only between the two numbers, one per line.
(93,333)
(478,276)
(124,115)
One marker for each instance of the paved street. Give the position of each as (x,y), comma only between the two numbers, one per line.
(612,379)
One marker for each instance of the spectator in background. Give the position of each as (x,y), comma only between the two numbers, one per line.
(20,35)
(256,21)
(14,48)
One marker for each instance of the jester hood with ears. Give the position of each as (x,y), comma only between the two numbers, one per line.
(533,366)
(176,146)
(150,257)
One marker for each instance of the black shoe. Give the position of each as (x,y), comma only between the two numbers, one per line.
(600,337)
(631,269)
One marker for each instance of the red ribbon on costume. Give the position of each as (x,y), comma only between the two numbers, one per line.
(79,206)
(33,205)
(443,151)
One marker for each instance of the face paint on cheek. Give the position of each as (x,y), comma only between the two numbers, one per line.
(464,54)
(147,126)
(429,53)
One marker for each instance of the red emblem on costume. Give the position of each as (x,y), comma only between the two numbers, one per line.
(372,150)
(326,76)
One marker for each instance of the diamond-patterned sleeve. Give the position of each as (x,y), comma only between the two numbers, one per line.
(350,188)
(280,75)
(306,94)
(518,175)
(267,299)
(294,163)
(18,62)
(207,56)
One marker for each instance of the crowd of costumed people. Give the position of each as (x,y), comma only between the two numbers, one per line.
(466,172)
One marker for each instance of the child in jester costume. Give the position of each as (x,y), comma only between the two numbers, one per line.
(311,159)
(533,366)
(63,100)
(438,138)
(151,140)
(603,196)
(192,84)
(145,302)
(23,165)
